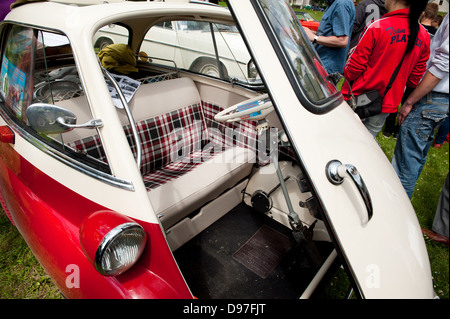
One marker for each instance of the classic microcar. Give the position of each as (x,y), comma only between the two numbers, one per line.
(130,177)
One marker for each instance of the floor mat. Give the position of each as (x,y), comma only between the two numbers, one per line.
(263,251)
(209,267)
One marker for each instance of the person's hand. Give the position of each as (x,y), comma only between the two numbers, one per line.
(310,34)
(403,113)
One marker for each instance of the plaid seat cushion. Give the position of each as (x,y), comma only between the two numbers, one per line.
(168,138)
(200,141)
(242,134)
(175,143)
(173,170)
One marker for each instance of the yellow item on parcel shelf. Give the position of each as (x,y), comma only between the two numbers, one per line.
(118,57)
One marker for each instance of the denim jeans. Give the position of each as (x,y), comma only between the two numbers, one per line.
(416,136)
(440,222)
(442,132)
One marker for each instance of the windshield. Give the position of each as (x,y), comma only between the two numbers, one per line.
(306,72)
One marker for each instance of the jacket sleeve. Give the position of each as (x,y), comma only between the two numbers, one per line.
(358,60)
(439,64)
(420,67)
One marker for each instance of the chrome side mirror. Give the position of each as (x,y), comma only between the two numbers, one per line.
(52,119)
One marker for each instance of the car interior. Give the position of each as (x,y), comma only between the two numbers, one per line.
(238,212)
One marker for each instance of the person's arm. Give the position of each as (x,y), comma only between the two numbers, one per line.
(328,41)
(425,86)
(341,23)
(437,70)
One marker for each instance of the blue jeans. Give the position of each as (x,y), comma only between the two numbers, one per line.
(416,136)
(442,132)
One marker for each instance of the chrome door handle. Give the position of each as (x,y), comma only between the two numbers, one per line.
(89,125)
(336,172)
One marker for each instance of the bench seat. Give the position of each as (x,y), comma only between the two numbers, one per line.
(177,198)
(184,163)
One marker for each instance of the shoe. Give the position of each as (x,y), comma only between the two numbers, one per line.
(387,134)
(437,146)
(438,238)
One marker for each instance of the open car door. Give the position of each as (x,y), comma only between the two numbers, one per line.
(367,212)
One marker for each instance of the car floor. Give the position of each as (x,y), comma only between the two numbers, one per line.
(246,254)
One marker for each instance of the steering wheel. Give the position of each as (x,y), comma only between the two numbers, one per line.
(253,109)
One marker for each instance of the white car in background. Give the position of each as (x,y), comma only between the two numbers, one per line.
(190,45)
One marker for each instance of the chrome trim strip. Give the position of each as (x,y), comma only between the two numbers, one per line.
(134,129)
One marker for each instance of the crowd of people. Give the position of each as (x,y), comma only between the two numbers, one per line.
(368,45)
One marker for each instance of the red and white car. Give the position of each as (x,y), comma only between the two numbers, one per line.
(162,182)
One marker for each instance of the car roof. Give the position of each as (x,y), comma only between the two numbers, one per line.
(80,21)
(57,11)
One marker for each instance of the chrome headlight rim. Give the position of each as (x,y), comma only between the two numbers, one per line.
(108,239)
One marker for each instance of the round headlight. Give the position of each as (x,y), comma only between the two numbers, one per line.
(112,242)
(120,249)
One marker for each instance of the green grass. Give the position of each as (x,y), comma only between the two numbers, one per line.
(317,15)
(21,276)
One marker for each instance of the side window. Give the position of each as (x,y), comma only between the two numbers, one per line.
(15,75)
(38,67)
(165,25)
(110,34)
(212,49)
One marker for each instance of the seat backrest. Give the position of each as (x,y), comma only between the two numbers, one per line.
(169,120)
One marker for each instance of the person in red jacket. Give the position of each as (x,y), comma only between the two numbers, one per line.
(379,51)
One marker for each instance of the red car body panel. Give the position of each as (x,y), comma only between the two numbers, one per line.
(313,25)
(48,215)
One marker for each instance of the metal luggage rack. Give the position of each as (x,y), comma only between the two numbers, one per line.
(159,78)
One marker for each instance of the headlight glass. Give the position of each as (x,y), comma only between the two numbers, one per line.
(120,249)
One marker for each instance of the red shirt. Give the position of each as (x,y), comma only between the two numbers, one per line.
(379,51)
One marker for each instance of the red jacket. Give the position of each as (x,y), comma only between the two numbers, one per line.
(379,51)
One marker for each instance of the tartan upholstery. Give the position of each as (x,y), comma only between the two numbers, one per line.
(242,134)
(168,138)
(176,142)
(90,146)
(172,170)
(171,145)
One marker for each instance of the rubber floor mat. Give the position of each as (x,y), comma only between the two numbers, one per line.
(263,251)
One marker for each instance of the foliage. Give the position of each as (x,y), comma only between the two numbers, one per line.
(21,276)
